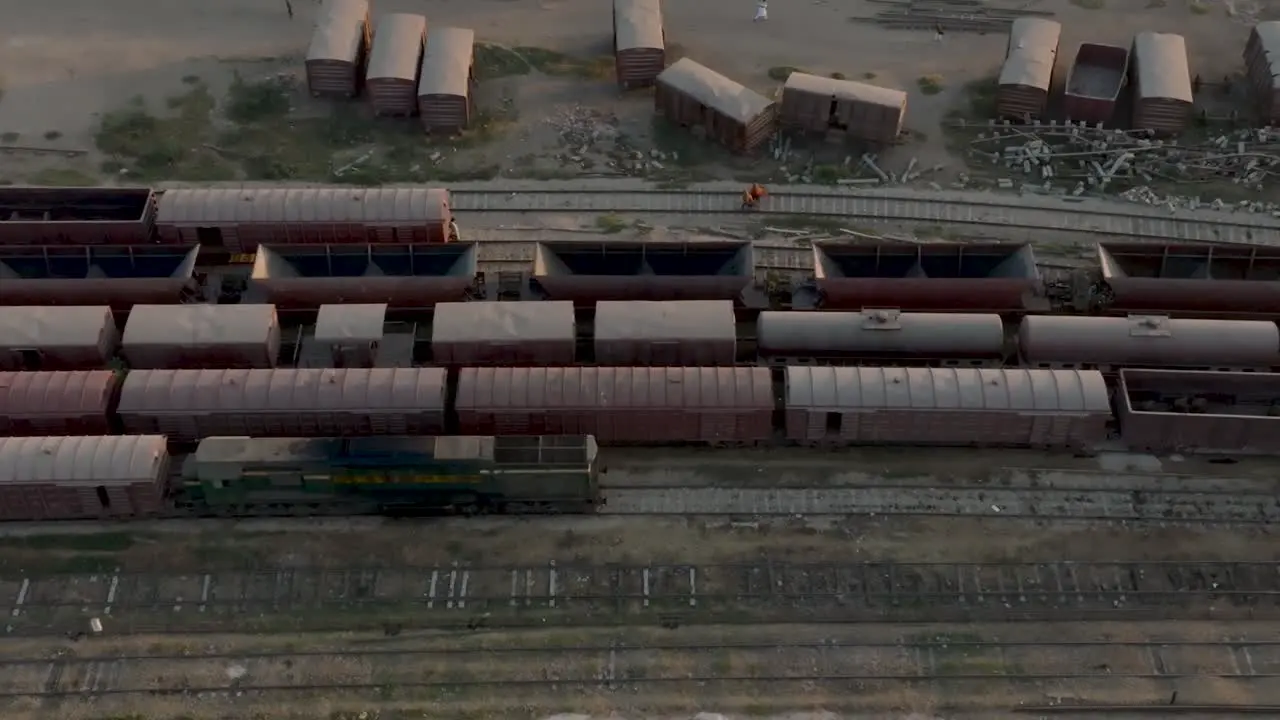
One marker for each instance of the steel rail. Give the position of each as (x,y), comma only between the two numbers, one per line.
(1031,213)
(94,682)
(900,500)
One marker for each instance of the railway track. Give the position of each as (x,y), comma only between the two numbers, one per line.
(840,660)
(897,500)
(462,594)
(1027,212)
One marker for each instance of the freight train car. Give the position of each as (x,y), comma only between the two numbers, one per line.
(237,476)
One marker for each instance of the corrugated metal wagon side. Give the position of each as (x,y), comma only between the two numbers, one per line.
(339,49)
(202,336)
(674,332)
(1097,76)
(946,406)
(639,42)
(242,219)
(76,337)
(504,333)
(57,403)
(447,83)
(1162,98)
(619,405)
(1180,411)
(392,77)
(1262,63)
(692,95)
(1026,78)
(188,405)
(864,112)
(82,477)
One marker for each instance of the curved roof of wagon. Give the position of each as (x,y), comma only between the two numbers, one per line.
(229,206)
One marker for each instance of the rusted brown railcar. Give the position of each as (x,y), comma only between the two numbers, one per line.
(201,336)
(1181,411)
(82,477)
(401,276)
(671,332)
(188,405)
(1026,77)
(1188,280)
(57,403)
(695,96)
(860,111)
(1109,343)
(241,219)
(1162,99)
(639,42)
(339,49)
(939,277)
(587,272)
(1262,69)
(117,276)
(958,339)
(947,406)
(79,337)
(447,83)
(349,335)
(392,77)
(503,333)
(619,405)
(1097,75)
(76,216)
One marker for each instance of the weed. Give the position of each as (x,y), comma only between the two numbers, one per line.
(160,148)
(930,84)
(10,137)
(782,72)
(1198,8)
(62,177)
(260,101)
(826,174)
(868,75)
(497,61)
(611,224)
(837,76)
(1090,4)
(52,134)
(979,99)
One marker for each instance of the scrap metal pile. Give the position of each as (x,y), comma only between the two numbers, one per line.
(947,15)
(1095,158)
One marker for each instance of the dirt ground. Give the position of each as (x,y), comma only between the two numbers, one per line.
(129,91)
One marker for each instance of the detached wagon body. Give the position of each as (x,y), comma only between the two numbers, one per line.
(447,81)
(1026,78)
(82,477)
(1094,82)
(864,112)
(639,41)
(692,95)
(1162,98)
(392,77)
(339,49)
(75,337)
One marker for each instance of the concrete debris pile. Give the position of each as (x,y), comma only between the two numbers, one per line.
(1090,158)
(948,15)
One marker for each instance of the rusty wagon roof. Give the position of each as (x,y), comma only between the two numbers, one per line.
(638,24)
(446,62)
(725,96)
(339,30)
(357,321)
(665,320)
(688,388)
(397,45)
(41,326)
(1162,66)
(199,325)
(845,90)
(1033,51)
(284,390)
(885,388)
(230,206)
(82,460)
(56,394)
(499,322)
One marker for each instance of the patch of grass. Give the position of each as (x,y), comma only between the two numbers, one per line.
(62,177)
(782,72)
(10,137)
(826,174)
(837,76)
(930,84)
(259,101)
(52,135)
(1090,4)
(611,224)
(979,100)
(155,147)
(868,76)
(498,61)
(1198,8)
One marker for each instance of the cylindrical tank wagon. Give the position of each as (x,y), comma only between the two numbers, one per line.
(1109,343)
(959,339)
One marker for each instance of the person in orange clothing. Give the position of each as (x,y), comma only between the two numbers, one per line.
(751,196)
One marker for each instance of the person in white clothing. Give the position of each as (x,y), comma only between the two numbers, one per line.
(762,10)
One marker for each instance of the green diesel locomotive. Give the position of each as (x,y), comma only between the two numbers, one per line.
(238,476)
